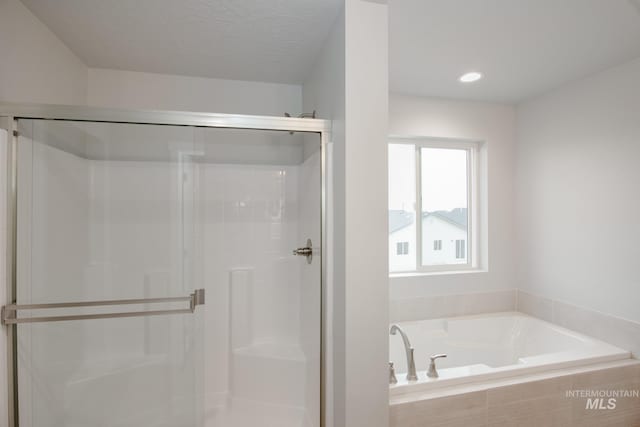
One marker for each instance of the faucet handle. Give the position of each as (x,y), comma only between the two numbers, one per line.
(392,374)
(433,372)
(437,356)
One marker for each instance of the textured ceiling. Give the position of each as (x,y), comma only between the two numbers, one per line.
(259,40)
(523,47)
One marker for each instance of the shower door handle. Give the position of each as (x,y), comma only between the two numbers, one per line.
(306,251)
(10,311)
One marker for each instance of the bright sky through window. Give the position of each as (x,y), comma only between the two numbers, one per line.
(444,179)
(441,178)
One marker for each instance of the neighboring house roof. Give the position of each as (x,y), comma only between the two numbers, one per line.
(399,219)
(457,216)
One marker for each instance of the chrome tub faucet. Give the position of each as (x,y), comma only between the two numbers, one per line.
(411,364)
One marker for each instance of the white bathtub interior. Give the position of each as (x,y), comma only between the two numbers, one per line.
(113,211)
(491,346)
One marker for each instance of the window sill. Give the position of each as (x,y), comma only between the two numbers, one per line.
(437,273)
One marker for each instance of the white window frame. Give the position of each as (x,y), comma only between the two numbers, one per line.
(473,203)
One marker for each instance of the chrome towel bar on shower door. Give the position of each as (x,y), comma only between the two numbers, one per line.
(9,311)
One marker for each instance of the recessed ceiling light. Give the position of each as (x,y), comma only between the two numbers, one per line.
(473,76)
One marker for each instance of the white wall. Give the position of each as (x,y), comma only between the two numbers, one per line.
(577,193)
(494,124)
(135,90)
(366,218)
(349,85)
(36,66)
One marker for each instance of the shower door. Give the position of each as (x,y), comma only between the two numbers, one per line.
(122,229)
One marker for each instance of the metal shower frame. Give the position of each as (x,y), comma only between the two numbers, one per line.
(11,113)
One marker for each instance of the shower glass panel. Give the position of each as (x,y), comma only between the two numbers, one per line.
(113,211)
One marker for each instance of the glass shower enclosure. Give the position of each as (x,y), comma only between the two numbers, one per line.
(166,269)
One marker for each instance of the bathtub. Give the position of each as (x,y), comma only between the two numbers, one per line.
(491,346)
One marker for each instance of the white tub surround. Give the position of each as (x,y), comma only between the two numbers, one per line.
(492,346)
(439,306)
(614,330)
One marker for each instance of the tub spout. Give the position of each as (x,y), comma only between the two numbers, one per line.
(411,364)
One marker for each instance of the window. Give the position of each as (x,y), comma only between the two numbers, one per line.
(432,197)
(402,248)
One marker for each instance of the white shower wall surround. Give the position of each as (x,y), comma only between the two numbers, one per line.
(230,229)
